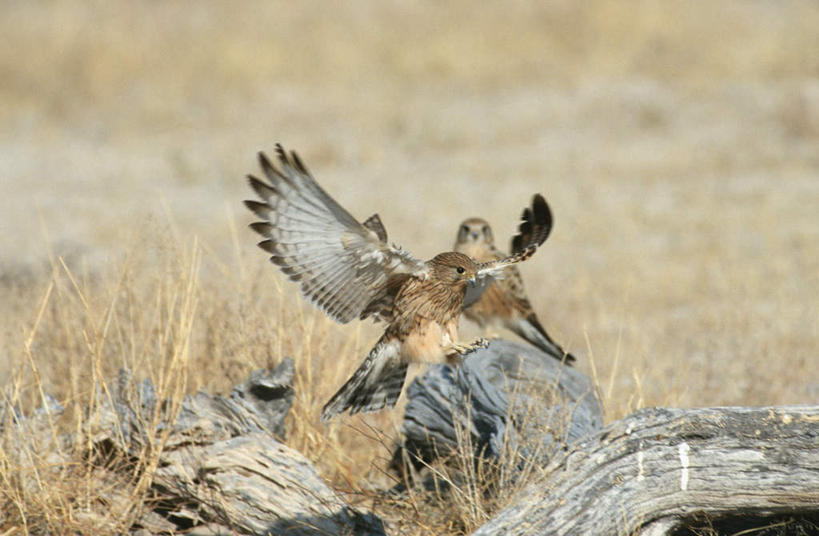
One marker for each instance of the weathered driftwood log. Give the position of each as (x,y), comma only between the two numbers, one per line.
(506,396)
(655,470)
(129,409)
(221,465)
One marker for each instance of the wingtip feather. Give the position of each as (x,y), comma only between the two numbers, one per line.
(266,165)
(268,245)
(260,209)
(298,164)
(280,152)
(262,227)
(262,189)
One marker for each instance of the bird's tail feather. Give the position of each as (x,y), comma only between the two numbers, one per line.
(530,329)
(376,384)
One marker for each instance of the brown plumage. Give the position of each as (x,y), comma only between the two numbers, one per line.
(348,270)
(504,302)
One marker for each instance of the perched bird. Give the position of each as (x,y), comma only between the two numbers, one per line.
(348,270)
(504,302)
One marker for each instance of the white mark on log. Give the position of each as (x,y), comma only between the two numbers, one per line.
(640,456)
(684,448)
(630,428)
(786,418)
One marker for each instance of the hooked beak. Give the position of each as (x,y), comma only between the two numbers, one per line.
(473,281)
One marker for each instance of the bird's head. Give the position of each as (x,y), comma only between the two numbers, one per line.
(473,231)
(455,269)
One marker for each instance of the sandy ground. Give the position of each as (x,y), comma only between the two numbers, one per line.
(678,146)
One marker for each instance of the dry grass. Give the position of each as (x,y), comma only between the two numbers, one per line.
(678,145)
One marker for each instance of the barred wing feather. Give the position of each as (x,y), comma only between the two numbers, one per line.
(341,265)
(534,229)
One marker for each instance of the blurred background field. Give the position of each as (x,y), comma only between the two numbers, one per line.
(677,143)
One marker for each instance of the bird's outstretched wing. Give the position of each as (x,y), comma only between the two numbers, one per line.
(532,232)
(343,267)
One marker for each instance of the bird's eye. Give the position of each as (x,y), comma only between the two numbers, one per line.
(485,229)
(460,269)
(464,229)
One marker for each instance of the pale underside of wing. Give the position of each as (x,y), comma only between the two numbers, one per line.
(341,265)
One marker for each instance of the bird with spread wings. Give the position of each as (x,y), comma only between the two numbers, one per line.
(348,270)
(504,302)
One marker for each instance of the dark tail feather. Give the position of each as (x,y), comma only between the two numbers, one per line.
(531,330)
(376,384)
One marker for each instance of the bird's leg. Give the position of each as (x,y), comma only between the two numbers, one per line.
(457,351)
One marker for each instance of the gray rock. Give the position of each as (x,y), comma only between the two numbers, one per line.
(504,393)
